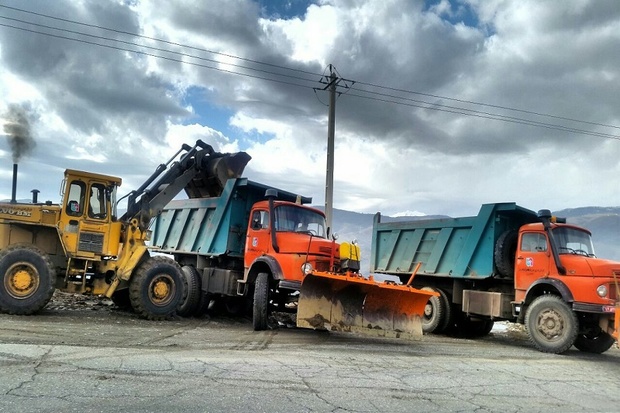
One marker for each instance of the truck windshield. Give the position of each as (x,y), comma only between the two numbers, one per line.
(297,219)
(573,241)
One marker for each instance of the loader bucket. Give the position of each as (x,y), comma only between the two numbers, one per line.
(352,303)
(218,169)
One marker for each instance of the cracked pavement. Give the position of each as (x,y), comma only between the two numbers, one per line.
(80,360)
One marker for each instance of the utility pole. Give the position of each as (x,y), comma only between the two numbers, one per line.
(331,125)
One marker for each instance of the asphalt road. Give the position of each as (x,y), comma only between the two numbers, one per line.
(108,361)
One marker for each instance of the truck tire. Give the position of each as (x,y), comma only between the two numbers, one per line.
(433,313)
(121,299)
(447,318)
(551,324)
(260,307)
(156,289)
(28,279)
(597,343)
(504,254)
(477,328)
(191,291)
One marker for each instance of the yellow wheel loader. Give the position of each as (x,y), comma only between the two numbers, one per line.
(83,246)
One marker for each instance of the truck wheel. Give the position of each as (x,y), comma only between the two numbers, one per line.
(478,328)
(156,289)
(29,279)
(551,324)
(121,299)
(192,292)
(504,254)
(260,313)
(433,313)
(447,318)
(594,343)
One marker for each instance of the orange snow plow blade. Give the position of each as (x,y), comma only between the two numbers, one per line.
(353,303)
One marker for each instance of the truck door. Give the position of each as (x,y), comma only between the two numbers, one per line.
(532,261)
(258,238)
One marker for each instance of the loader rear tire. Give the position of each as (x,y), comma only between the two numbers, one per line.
(260,313)
(191,296)
(28,279)
(156,288)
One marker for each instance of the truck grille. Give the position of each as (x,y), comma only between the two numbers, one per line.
(91,242)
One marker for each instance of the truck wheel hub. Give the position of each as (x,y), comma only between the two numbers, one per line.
(428,310)
(550,323)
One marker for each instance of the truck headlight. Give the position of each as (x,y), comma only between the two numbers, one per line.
(306,268)
(602,291)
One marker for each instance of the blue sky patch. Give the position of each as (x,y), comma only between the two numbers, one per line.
(274,9)
(460,12)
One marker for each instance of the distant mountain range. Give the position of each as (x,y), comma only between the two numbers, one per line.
(603,222)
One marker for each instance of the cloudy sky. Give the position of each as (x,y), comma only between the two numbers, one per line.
(443,105)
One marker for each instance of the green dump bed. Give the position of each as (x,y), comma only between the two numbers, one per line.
(450,247)
(211,226)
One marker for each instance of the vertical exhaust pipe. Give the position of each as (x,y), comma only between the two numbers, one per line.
(14,187)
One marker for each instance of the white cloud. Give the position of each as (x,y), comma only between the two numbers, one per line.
(123,114)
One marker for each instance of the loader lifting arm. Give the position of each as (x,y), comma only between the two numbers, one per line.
(200,171)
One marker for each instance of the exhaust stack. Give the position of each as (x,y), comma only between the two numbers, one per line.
(14,187)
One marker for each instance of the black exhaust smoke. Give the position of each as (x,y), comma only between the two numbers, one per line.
(14,187)
(17,128)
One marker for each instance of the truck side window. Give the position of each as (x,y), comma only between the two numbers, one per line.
(75,200)
(260,220)
(533,242)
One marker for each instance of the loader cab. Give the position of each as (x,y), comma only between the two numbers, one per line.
(88,220)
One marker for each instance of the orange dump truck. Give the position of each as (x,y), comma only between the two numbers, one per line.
(506,263)
(258,247)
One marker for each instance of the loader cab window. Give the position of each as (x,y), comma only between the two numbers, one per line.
(260,220)
(295,219)
(98,201)
(533,242)
(75,199)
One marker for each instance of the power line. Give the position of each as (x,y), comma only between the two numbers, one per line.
(156,40)
(157,56)
(381,97)
(483,115)
(529,112)
(158,49)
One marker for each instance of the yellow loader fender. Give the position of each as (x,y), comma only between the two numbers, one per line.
(350,302)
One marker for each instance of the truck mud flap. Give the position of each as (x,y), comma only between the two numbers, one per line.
(355,304)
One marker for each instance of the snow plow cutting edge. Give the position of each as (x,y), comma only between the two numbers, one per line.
(352,303)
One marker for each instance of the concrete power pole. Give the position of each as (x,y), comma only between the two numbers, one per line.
(331,125)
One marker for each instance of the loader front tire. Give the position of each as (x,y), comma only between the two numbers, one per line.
(28,279)
(260,313)
(156,288)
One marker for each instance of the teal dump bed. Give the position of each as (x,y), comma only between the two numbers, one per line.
(450,247)
(211,226)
